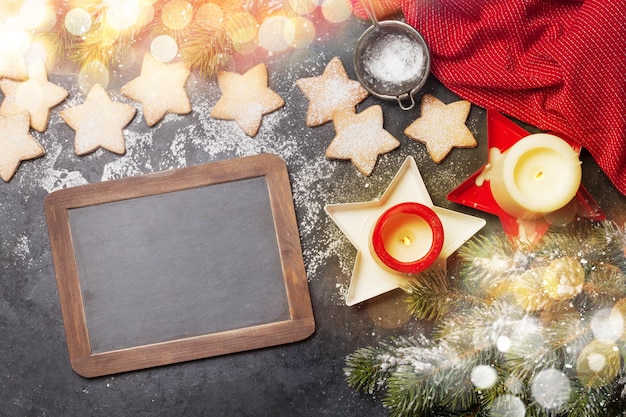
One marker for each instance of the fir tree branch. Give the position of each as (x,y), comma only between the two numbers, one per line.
(552,345)
(368,368)
(488,261)
(432,296)
(206,51)
(515,310)
(604,284)
(592,402)
(592,243)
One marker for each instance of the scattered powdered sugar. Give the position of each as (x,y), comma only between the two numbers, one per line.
(55,179)
(59,179)
(135,161)
(394,59)
(180,141)
(311,175)
(22,248)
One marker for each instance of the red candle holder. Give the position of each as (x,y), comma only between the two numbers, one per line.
(413,266)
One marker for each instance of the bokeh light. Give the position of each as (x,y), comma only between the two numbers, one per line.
(127,58)
(276,33)
(146,13)
(164,48)
(33,13)
(564,278)
(617,319)
(39,51)
(92,73)
(122,14)
(241,29)
(484,376)
(336,11)
(302,7)
(211,15)
(177,14)
(507,406)
(78,21)
(305,32)
(603,325)
(503,343)
(551,388)
(13,46)
(598,364)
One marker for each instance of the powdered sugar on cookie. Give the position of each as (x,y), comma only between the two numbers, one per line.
(160,88)
(16,144)
(36,96)
(246,98)
(361,138)
(99,122)
(331,91)
(442,127)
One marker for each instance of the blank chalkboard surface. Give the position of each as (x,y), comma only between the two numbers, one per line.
(179,265)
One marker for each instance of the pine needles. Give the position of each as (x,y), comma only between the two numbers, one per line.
(523,331)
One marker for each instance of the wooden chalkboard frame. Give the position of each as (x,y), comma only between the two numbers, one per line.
(91,364)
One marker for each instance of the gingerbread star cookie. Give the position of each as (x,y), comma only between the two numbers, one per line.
(99,122)
(160,88)
(246,98)
(442,127)
(331,91)
(360,138)
(16,144)
(36,96)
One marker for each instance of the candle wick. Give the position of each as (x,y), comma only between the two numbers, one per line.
(539,176)
(407,241)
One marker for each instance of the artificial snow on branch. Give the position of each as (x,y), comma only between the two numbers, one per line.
(521,331)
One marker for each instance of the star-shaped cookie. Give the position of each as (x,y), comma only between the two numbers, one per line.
(246,98)
(16,144)
(160,88)
(36,96)
(360,138)
(99,122)
(331,91)
(442,127)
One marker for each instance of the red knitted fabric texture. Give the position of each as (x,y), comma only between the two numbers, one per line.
(559,65)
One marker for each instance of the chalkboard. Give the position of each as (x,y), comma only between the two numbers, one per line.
(179,265)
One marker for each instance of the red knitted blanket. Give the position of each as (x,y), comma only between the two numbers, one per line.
(559,65)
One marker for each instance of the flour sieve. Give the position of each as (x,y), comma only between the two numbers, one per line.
(392,61)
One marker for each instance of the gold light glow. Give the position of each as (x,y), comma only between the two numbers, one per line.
(164,48)
(177,14)
(211,15)
(336,11)
(127,58)
(33,13)
(276,33)
(13,46)
(122,14)
(303,7)
(77,21)
(241,28)
(92,73)
(305,32)
(146,12)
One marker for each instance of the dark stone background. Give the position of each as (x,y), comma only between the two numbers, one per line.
(301,379)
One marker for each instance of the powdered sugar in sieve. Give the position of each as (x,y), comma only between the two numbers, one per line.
(392,61)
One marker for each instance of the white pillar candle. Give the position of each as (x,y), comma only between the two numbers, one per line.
(539,174)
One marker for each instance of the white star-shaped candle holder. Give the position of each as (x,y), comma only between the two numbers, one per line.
(357,220)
